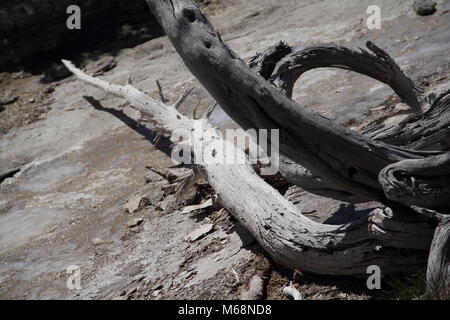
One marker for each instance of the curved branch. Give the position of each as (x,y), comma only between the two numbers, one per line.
(264,64)
(299,176)
(423,183)
(427,131)
(379,66)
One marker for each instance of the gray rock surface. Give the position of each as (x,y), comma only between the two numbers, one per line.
(8,100)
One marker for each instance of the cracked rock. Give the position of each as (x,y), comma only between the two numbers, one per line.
(135,203)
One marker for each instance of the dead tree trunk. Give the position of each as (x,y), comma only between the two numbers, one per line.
(429,130)
(289,237)
(349,164)
(345,161)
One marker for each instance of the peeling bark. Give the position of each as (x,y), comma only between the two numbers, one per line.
(427,131)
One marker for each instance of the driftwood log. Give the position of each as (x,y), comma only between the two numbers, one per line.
(289,237)
(395,166)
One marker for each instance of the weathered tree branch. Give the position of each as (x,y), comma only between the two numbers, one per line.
(346,161)
(427,131)
(423,183)
(379,66)
(289,237)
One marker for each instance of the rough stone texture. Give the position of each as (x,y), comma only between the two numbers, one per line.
(200,232)
(33,29)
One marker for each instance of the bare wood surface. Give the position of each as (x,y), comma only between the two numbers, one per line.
(290,238)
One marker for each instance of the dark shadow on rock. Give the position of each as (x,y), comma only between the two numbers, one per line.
(347,213)
(32,42)
(8,174)
(164,144)
(245,235)
(56,72)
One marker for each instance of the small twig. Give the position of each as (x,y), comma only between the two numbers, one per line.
(129,80)
(210,111)
(157,139)
(195,111)
(169,175)
(160,91)
(183,97)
